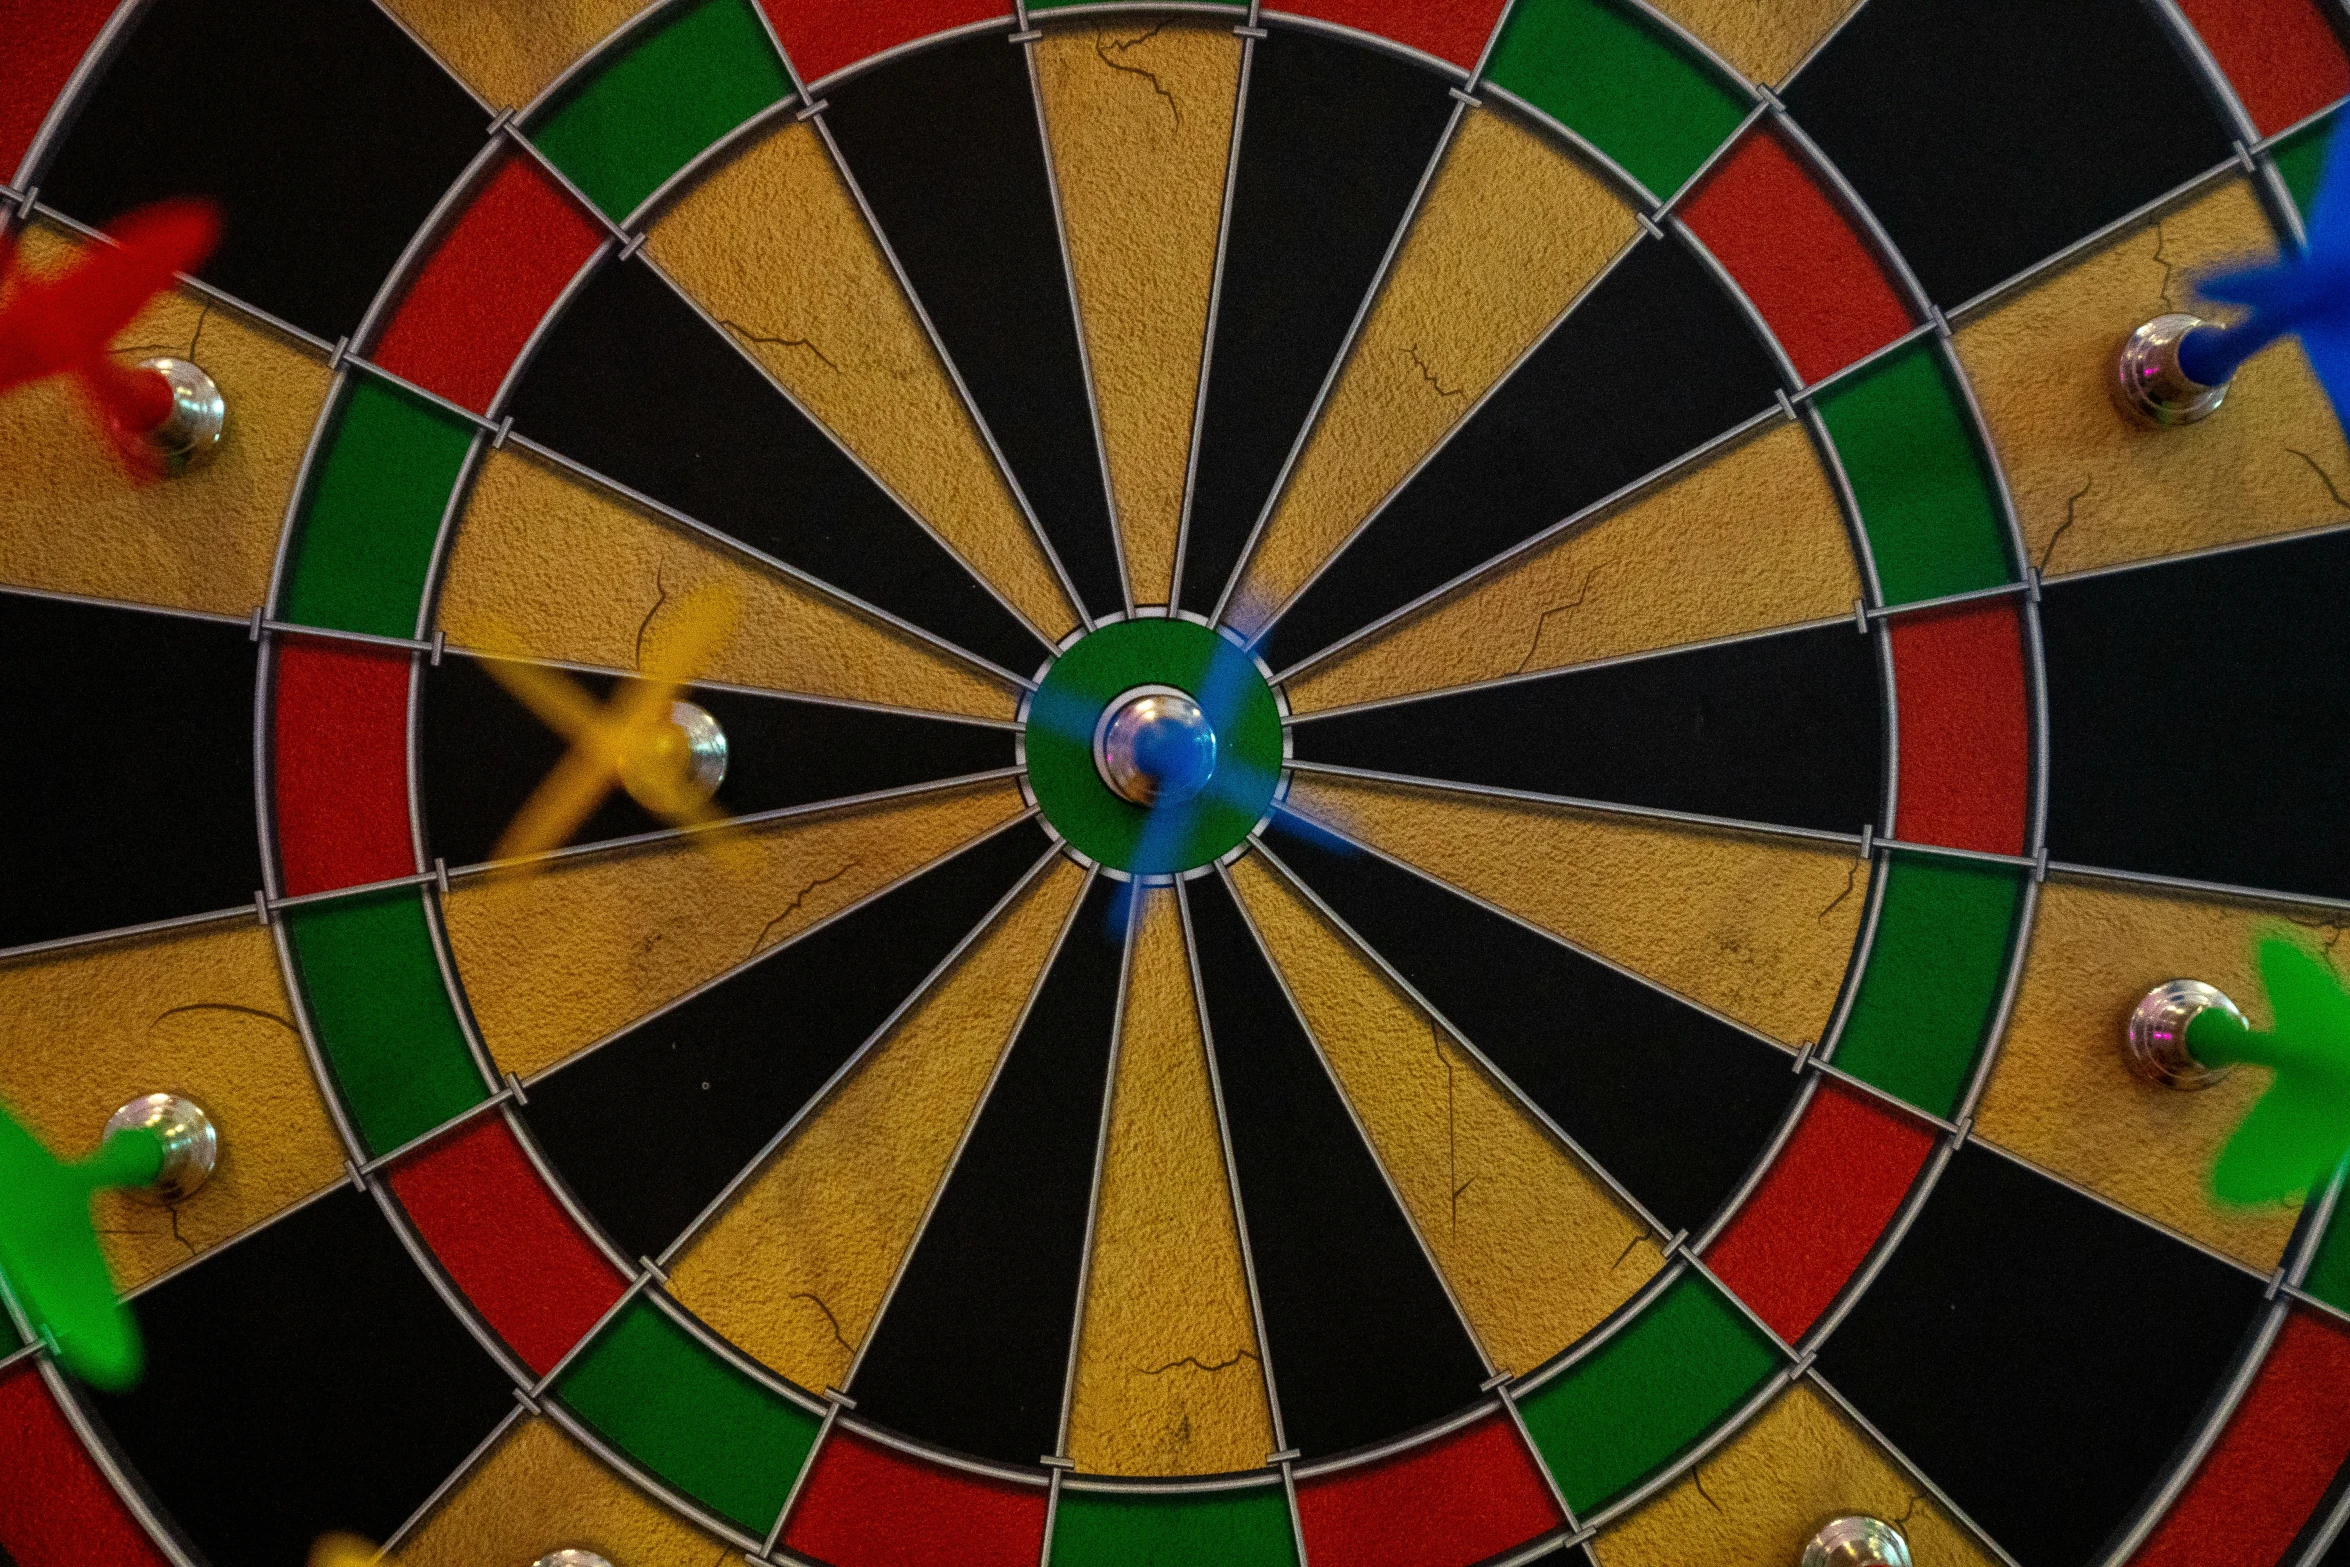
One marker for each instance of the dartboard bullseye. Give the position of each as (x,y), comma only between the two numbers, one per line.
(977,783)
(1134,707)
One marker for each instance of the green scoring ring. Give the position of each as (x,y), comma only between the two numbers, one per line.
(1058,726)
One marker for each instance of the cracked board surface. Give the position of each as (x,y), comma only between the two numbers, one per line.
(1513,229)
(1762,42)
(1760,1497)
(1751,540)
(538,1492)
(561,958)
(1140,123)
(551,566)
(1759,929)
(77,522)
(795,1270)
(2093,489)
(1169,1377)
(1535,1248)
(772,245)
(202,1013)
(2062,1093)
(508,51)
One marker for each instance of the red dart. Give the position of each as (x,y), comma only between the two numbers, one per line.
(62,324)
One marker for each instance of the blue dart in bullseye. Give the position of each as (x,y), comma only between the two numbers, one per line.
(1159,750)
(2175,369)
(1154,746)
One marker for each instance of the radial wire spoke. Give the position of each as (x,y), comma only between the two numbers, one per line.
(1784,729)
(947,149)
(1333,142)
(1362,1336)
(1654,362)
(635,385)
(1672,1102)
(972,1348)
(649,1128)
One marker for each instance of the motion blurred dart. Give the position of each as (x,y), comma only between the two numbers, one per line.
(2175,369)
(1169,751)
(49,1256)
(2186,1034)
(164,415)
(667,753)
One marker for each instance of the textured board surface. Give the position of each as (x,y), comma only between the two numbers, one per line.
(1485,1148)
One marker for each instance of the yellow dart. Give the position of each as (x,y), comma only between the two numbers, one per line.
(667,753)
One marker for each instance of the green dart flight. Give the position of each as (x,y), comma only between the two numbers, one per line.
(49,1256)
(2300,1129)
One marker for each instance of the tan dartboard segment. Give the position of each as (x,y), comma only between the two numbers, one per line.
(552,566)
(538,1491)
(794,1271)
(559,959)
(1140,128)
(1513,229)
(1536,1248)
(1752,540)
(1763,42)
(1759,929)
(2093,489)
(2062,1093)
(772,245)
(1763,1495)
(201,1013)
(508,51)
(76,521)
(1169,1376)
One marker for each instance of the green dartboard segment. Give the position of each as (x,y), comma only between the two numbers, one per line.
(1083,683)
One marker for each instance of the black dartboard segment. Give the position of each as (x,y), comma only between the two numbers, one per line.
(945,144)
(1334,139)
(648,1128)
(483,754)
(2244,657)
(1785,729)
(633,383)
(973,1350)
(2003,1350)
(2018,126)
(325,134)
(1362,1339)
(332,1389)
(1653,363)
(1673,1102)
(129,797)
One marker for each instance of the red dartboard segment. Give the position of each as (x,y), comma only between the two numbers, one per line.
(1821,1209)
(56,1508)
(1796,255)
(339,734)
(482,1209)
(41,41)
(1455,32)
(866,1505)
(2284,59)
(824,36)
(1467,1496)
(1966,739)
(2274,1463)
(484,288)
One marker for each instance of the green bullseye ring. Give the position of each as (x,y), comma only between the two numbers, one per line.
(1110,660)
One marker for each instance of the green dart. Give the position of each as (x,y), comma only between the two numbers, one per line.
(2188,1035)
(49,1255)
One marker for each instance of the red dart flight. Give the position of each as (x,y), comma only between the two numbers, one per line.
(62,324)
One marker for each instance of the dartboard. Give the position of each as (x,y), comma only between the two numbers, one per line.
(1439,742)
